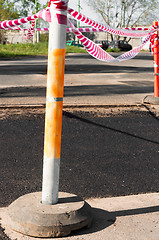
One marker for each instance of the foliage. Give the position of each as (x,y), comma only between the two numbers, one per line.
(113,50)
(44,37)
(7,11)
(25,6)
(74,49)
(28,6)
(13,50)
(29,49)
(45,5)
(125,13)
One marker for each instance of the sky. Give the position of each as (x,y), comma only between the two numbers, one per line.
(85,9)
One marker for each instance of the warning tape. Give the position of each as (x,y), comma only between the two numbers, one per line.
(68,29)
(120,32)
(30,31)
(101,30)
(45,15)
(90,46)
(9,24)
(98,53)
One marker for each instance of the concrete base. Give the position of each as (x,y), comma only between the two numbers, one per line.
(151,100)
(29,216)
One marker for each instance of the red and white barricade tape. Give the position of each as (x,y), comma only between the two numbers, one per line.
(45,14)
(90,46)
(68,29)
(30,31)
(152,40)
(85,30)
(116,31)
(10,24)
(128,32)
(98,53)
(138,29)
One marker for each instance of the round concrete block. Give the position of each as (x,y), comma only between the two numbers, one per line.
(29,216)
(151,100)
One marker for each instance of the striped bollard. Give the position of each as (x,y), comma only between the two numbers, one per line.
(156,62)
(154,99)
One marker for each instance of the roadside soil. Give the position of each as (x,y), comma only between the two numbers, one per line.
(102,111)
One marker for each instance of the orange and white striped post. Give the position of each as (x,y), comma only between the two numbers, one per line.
(54,101)
(156,61)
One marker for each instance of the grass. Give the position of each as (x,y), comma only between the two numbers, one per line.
(41,48)
(113,50)
(13,50)
(29,49)
(73,49)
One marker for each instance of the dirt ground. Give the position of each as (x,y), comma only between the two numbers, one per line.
(97,111)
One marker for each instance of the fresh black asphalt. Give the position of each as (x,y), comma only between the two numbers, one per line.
(103,155)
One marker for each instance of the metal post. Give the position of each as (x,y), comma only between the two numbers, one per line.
(78,22)
(37,36)
(156,62)
(35,33)
(54,101)
(79,9)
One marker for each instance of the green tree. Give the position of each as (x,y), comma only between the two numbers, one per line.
(126,13)
(7,11)
(27,7)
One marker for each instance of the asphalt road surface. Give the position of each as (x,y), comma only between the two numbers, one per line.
(87,81)
(76,63)
(105,152)
(32,71)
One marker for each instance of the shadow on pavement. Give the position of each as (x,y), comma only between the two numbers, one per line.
(132,87)
(23,69)
(103,68)
(103,219)
(105,90)
(143,56)
(22,92)
(70,115)
(136,211)
(27,69)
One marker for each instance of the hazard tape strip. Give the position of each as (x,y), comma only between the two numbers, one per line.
(98,53)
